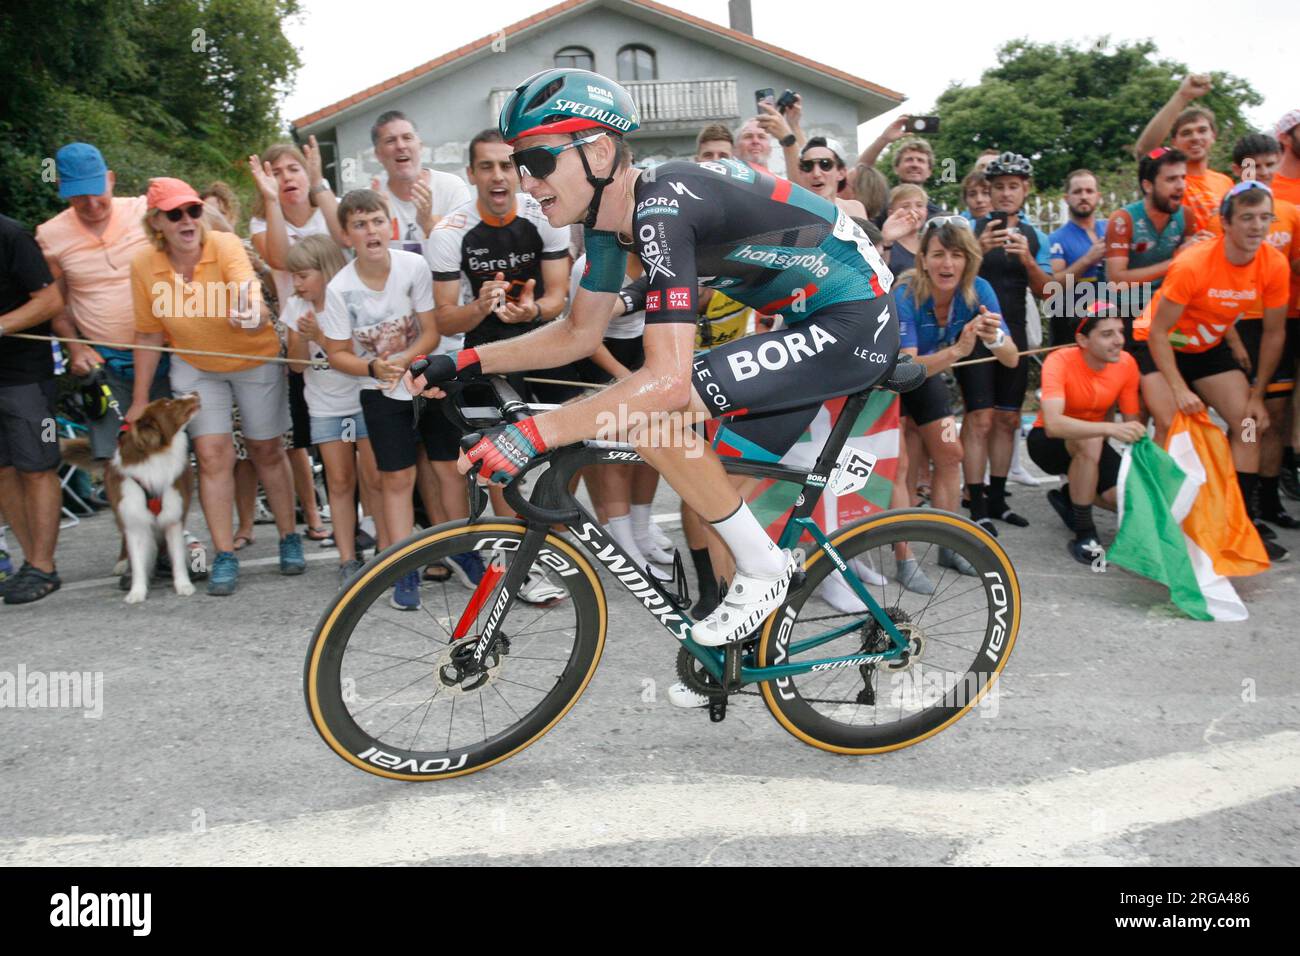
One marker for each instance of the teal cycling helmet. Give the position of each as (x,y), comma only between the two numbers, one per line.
(570,101)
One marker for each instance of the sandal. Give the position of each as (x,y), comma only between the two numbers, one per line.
(318,533)
(246,538)
(431,573)
(30,584)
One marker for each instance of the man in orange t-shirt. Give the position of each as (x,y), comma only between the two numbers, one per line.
(1193,130)
(1286,184)
(1080,386)
(1258,156)
(1180,347)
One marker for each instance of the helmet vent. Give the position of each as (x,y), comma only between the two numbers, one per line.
(545,93)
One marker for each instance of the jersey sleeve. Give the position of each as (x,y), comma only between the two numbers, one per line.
(665,241)
(1181,282)
(555,240)
(606,262)
(442,252)
(1128,393)
(1119,233)
(989,299)
(1056,247)
(1044,257)
(26,264)
(1053,377)
(905,306)
(334,321)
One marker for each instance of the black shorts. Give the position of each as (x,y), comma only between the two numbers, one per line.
(26,421)
(929,403)
(1191,365)
(390,424)
(298,412)
(779,379)
(1051,455)
(1283,381)
(992,384)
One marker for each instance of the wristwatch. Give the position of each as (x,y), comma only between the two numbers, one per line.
(787,140)
(1002,337)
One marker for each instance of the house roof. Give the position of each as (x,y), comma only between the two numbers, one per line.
(644,9)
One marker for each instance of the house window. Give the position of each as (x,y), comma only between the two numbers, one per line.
(636,62)
(576,57)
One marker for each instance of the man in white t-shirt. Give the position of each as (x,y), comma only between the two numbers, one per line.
(417,196)
(378,317)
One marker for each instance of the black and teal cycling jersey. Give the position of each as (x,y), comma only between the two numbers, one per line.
(762,240)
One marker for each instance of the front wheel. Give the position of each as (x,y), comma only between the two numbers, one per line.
(385,676)
(959,634)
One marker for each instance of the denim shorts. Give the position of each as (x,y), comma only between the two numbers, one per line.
(325,430)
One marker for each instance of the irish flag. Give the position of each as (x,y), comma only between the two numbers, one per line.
(1182,520)
(861,483)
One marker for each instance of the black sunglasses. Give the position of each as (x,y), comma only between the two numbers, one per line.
(539,161)
(826,165)
(194,211)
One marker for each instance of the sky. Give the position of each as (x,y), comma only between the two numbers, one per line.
(343,53)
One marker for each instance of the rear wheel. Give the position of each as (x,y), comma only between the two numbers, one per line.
(959,636)
(394,692)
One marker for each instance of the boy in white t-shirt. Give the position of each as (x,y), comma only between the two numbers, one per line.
(378,317)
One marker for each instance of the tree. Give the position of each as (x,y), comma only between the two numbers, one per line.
(184,88)
(1068,106)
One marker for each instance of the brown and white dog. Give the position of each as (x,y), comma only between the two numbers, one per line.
(149,484)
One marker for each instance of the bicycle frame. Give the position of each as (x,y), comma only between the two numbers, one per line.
(552,503)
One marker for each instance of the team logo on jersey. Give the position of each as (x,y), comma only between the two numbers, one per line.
(654,252)
(679,299)
(681,189)
(652,300)
(881,320)
(657,206)
(738,170)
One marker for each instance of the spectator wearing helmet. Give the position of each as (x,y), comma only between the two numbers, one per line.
(1192,130)
(1015,261)
(1286,182)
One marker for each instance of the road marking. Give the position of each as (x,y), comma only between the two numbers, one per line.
(1063,820)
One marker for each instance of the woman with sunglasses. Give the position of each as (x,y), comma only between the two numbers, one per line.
(947,313)
(196,289)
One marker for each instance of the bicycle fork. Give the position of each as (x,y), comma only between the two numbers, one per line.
(515,576)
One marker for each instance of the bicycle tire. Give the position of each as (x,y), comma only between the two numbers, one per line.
(322,683)
(802,720)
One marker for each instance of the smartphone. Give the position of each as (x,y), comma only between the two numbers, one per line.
(786,100)
(767,96)
(998,219)
(923,124)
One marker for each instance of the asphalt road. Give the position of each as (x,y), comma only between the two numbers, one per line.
(1123,733)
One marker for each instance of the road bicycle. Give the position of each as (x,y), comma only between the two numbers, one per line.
(474,677)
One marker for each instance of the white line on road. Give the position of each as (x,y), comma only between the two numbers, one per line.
(1063,820)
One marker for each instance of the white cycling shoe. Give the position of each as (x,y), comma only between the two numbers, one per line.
(538,590)
(679,695)
(749,600)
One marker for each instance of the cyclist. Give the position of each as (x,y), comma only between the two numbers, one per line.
(768,243)
(1180,349)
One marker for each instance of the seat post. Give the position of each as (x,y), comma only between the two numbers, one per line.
(853,406)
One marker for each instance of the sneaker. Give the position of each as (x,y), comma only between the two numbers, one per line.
(1289,482)
(467,568)
(224,576)
(1275,551)
(538,589)
(1281,519)
(948,558)
(406,593)
(679,695)
(348,569)
(1060,503)
(748,602)
(908,573)
(291,557)
(6,565)
(1086,550)
(1010,517)
(1021,476)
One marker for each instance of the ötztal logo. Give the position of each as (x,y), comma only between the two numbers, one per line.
(652,301)
(679,298)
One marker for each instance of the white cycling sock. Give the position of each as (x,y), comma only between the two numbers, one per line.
(755,553)
(641,521)
(620,529)
(368,525)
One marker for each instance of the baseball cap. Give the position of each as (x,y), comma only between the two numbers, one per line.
(1289,121)
(825,142)
(166,193)
(82,171)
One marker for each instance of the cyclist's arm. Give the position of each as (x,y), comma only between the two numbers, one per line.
(1166,316)
(1057,424)
(555,276)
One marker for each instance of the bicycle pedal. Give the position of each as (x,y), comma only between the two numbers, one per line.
(718,710)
